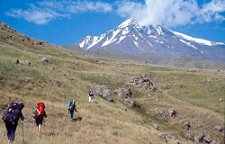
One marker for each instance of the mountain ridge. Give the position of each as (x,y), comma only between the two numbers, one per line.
(130,39)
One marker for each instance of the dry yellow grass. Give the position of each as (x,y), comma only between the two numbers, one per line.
(195,95)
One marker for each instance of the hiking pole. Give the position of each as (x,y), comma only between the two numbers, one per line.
(23,133)
(23,141)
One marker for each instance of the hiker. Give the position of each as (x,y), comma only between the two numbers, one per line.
(39,115)
(173,113)
(11,117)
(71,107)
(91,96)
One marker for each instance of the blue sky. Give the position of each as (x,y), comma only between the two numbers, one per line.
(67,21)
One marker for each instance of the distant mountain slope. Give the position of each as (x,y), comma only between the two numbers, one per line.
(156,44)
(11,36)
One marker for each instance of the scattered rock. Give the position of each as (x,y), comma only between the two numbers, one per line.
(128,102)
(156,126)
(187,130)
(124,92)
(192,70)
(143,82)
(203,138)
(164,115)
(29,63)
(167,114)
(178,142)
(10,37)
(187,126)
(221,100)
(125,96)
(219,128)
(168,136)
(218,70)
(45,60)
(23,62)
(17,61)
(58,83)
(40,43)
(214,142)
(103,91)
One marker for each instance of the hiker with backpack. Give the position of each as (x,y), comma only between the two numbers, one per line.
(91,96)
(11,117)
(39,114)
(71,107)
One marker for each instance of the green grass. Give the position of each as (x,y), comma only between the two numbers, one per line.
(193,94)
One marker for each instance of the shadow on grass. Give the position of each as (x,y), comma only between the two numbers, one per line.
(77,119)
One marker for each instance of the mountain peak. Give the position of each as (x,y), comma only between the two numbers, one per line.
(153,41)
(129,22)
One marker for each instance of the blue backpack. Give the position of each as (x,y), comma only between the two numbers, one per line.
(12,113)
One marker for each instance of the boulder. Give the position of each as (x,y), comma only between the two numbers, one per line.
(45,60)
(143,82)
(124,92)
(203,138)
(17,61)
(156,126)
(167,114)
(23,62)
(168,136)
(187,126)
(219,128)
(164,115)
(107,94)
(103,91)
(125,96)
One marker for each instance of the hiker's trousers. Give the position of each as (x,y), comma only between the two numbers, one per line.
(91,99)
(11,130)
(71,113)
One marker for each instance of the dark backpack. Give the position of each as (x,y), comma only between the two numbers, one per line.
(91,94)
(12,113)
(71,104)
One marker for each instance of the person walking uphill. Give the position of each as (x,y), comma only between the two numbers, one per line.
(11,117)
(39,115)
(71,107)
(91,96)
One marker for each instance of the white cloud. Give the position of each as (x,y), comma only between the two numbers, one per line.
(35,15)
(89,6)
(172,13)
(212,10)
(46,11)
(77,6)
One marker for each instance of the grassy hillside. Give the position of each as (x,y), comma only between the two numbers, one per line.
(197,96)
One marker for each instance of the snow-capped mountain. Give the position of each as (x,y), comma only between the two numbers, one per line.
(152,43)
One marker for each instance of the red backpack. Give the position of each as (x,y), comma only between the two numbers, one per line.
(40,108)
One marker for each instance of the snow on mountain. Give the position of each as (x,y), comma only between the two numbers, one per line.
(197,40)
(129,22)
(132,39)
